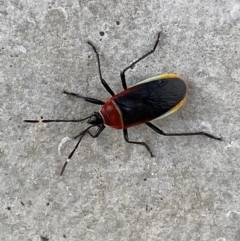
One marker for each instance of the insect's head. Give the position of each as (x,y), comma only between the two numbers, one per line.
(95,119)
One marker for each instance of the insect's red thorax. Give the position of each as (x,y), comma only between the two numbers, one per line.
(112,115)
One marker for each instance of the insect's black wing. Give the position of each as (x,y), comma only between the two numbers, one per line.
(150,100)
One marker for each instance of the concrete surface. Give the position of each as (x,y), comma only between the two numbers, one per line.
(112,190)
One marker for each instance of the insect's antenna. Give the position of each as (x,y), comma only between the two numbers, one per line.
(81,135)
(48,121)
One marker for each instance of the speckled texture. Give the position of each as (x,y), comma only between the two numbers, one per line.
(112,190)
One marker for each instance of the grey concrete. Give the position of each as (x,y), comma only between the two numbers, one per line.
(112,190)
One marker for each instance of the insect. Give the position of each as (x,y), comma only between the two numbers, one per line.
(150,99)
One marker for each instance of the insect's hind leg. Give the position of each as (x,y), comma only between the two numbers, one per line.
(122,74)
(125,135)
(200,133)
(104,83)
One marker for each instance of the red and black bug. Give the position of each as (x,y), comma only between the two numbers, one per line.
(150,99)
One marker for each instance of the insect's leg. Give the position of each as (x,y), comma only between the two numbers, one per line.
(156,129)
(122,74)
(104,83)
(125,135)
(88,99)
